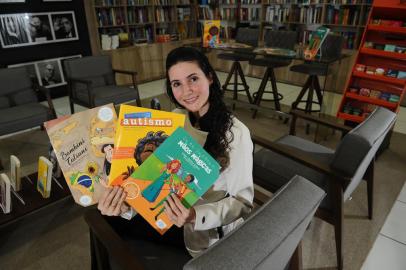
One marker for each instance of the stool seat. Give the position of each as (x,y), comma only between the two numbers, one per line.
(236,56)
(270,62)
(318,69)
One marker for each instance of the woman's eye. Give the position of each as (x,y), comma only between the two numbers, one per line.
(194,79)
(175,84)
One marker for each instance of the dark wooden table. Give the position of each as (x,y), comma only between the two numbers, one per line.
(34,202)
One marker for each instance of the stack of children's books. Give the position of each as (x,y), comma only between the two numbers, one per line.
(145,151)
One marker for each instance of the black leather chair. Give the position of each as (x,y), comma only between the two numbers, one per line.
(247,36)
(330,52)
(19,106)
(274,39)
(92,82)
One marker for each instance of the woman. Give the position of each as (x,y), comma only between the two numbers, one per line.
(192,85)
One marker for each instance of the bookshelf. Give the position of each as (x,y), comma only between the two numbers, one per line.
(145,21)
(344,17)
(378,77)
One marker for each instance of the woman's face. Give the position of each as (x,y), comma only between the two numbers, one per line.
(190,87)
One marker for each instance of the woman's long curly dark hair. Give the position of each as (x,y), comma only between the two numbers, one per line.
(220,118)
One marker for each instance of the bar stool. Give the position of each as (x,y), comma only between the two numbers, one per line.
(330,52)
(247,36)
(273,39)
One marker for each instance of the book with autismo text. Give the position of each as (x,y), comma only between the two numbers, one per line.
(139,132)
(83,144)
(178,166)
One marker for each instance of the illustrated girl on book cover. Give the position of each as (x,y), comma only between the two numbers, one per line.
(151,192)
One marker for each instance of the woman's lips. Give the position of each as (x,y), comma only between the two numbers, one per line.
(190,100)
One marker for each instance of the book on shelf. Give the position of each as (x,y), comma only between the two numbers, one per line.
(83,143)
(44,181)
(315,42)
(5,193)
(178,167)
(139,132)
(15,173)
(211,33)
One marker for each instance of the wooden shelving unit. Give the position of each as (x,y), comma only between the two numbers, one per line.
(146,21)
(383,46)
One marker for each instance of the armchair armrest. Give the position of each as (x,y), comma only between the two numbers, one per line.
(322,121)
(88,84)
(111,241)
(299,157)
(128,72)
(46,92)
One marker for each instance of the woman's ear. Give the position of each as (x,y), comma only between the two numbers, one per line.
(210,78)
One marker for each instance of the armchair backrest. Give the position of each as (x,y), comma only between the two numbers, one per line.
(268,238)
(15,87)
(280,39)
(247,36)
(358,148)
(97,69)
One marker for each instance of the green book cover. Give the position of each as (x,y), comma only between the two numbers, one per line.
(179,166)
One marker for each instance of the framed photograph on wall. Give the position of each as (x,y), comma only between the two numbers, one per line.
(49,72)
(26,29)
(64,25)
(14,31)
(12,1)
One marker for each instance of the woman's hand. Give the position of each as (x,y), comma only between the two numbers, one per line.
(111,203)
(177,213)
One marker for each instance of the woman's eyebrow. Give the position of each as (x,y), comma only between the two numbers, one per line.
(193,74)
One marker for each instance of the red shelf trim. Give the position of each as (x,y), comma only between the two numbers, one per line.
(375,101)
(389,29)
(380,78)
(382,53)
(350,117)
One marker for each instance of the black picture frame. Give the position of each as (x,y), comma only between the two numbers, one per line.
(27,29)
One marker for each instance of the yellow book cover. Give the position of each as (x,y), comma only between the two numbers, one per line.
(83,144)
(44,180)
(139,132)
(211,34)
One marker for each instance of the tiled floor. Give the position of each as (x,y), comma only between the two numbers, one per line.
(389,250)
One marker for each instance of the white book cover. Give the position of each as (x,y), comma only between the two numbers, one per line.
(5,193)
(15,173)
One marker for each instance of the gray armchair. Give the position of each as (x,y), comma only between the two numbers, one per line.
(92,82)
(19,106)
(266,240)
(338,172)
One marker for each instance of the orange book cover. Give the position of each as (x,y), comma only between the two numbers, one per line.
(139,132)
(211,34)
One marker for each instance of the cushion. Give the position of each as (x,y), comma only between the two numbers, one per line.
(273,62)
(4,102)
(23,117)
(318,69)
(88,67)
(355,146)
(24,96)
(109,94)
(236,56)
(14,79)
(272,170)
